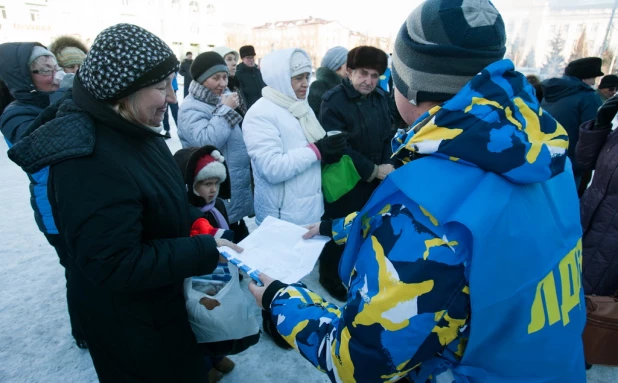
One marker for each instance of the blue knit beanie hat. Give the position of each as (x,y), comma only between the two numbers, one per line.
(443,44)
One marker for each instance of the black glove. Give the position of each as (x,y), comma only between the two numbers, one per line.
(331,147)
(606,114)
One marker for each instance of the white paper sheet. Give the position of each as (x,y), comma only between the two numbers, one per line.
(277,249)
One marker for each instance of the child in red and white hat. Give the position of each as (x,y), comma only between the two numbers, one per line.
(206,177)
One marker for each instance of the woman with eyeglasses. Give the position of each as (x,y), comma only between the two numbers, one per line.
(29,71)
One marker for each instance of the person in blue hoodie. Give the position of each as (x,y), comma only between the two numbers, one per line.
(30,73)
(571,100)
(465,264)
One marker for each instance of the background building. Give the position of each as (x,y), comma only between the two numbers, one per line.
(194,25)
(544,35)
(314,35)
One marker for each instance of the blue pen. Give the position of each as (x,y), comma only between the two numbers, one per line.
(253,273)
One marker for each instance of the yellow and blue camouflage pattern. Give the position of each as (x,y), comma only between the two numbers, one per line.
(407,272)
(408,299)
(495,123)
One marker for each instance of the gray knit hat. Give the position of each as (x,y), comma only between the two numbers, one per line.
(443,44)
(37,52)
(124,59)
(335,58)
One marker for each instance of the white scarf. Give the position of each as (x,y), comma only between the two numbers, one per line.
(300,109)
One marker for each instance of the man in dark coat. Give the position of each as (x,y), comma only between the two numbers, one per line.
(121,206)
(607,87)
(249,76)
(597,150)
(32,92)
(185,72)
(571,100)
(360,109)
(332,71)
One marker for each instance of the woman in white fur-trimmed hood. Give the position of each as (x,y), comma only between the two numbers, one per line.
(286,142)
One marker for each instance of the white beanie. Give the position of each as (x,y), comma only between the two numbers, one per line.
(299,63)
(223,51)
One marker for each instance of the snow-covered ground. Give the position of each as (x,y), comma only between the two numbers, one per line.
(35,340)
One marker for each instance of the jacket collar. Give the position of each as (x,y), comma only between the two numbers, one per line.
(243,68)
(61,131)
(353,94)
(329,76)
(349,89)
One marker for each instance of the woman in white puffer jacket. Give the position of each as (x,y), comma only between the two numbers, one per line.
(286,142)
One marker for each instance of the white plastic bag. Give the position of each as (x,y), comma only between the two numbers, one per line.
(231,320)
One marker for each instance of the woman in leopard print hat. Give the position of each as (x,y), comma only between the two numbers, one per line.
(121,206)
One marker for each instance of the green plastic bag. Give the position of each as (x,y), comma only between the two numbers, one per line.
(339,178)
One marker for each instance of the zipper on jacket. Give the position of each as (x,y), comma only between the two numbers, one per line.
(282,200)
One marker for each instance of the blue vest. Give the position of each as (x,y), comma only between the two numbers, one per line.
(527,304)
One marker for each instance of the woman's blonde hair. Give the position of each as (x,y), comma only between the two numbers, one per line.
(126,108)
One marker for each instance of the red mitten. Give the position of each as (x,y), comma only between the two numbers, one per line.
(202,226)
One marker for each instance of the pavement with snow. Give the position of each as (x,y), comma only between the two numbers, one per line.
(35,340)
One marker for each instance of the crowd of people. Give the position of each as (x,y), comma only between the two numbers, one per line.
(446,181)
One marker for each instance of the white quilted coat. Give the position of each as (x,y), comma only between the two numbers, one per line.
(286,171)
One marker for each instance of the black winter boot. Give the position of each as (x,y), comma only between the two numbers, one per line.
(81,344)
(269,328)
(335,288)
(329,271)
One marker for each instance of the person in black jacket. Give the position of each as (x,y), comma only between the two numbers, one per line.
(207,181)
(571,100)
(607,87)
(332,71)
(120,204)
(5,96)
(360,109)
(249,76)
(185,72)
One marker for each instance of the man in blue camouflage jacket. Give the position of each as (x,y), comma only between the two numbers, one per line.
(465,264)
